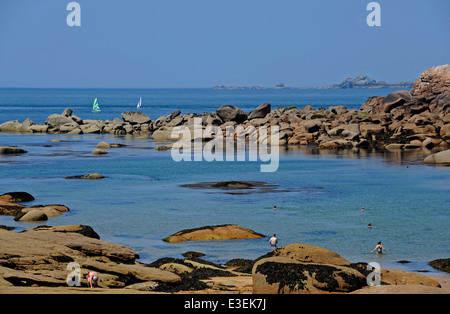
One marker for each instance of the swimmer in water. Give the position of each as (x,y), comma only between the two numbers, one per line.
(379,248)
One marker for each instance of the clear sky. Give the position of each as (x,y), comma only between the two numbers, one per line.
(202,43)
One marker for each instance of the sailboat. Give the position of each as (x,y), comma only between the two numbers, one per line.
(95,106)
(139,105)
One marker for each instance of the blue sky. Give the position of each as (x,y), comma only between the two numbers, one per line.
(202,43)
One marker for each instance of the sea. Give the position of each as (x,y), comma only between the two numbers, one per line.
(319,194)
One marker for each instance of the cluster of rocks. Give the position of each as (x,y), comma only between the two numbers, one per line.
(68,123)
(10,204)
(46,256)
(420,117)
(401,120)
(40,256)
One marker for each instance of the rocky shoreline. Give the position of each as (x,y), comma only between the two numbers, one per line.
(45,260)
(400,121)
(38,259)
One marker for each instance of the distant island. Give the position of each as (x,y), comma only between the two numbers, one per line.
(361,81)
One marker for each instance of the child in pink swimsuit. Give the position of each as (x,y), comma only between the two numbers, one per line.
(92,279)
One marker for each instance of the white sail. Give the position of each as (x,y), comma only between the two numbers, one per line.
(139,105)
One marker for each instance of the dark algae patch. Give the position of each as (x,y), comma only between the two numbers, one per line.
(286,275)
(294,276)
(190,281)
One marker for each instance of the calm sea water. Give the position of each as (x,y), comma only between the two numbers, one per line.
(319,194)
(38,104)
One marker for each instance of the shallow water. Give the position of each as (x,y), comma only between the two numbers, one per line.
(319,199)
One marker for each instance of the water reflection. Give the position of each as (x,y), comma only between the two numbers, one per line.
(400,156)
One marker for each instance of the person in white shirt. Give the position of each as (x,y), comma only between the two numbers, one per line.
(273,241)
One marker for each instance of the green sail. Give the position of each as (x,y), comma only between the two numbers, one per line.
(96,107)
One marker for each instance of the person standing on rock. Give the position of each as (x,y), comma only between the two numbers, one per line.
(92,278)
(273,241)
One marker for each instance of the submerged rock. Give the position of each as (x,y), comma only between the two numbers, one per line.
(238,187)
(193,254)
(103,145)
(99,152)
(11,150)
(92,176)
(226,185)
(164,147)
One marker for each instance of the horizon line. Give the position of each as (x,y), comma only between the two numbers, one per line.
(242,87)
(226,87)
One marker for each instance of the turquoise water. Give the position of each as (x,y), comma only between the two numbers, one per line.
(141,201)
(319,196)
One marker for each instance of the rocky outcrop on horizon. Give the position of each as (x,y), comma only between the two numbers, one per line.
(363,81)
